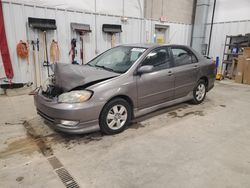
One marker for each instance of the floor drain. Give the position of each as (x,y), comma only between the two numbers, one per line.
(47,151)
(66,178)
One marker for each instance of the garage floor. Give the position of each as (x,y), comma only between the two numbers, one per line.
(206,145)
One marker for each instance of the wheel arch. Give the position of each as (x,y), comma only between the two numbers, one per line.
(126,98)
(205,79)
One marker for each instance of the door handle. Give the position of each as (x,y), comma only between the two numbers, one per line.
(195,66)
(170,73)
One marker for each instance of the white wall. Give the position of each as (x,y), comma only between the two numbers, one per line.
(232,10)
(231,18)
(132,8)
(136,30)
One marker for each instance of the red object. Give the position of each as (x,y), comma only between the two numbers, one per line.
(4,47)
(163,18)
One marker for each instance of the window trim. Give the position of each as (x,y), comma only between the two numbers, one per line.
(157,48)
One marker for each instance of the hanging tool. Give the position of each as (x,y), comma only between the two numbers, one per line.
(34,62)
(4,47)
(54,52)
(44,25)
(82,29)
(82,53)
(23,51)
(37,77)
(39,60)
(73,51)
(112,29)
(46,58)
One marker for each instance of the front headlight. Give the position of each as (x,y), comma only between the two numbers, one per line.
(77,96)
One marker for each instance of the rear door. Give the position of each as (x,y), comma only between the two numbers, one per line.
(158,86)
(186,69)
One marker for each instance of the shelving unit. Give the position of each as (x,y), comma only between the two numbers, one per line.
(233,47)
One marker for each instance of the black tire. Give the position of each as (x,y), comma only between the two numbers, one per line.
(196,99)
(105,123)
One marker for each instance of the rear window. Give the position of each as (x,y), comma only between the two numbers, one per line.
(183,57)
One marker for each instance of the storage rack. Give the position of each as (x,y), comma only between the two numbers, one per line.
(233,47)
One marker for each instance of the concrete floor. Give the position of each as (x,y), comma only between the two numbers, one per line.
(205,145)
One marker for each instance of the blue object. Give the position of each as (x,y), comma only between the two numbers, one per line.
(217,63)
(235,50)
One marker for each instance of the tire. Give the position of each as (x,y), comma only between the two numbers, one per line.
(199,92)
(115,116)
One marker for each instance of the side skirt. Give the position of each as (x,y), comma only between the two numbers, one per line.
(141,112)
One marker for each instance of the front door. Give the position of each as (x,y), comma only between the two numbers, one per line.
(157,86)
(186,69)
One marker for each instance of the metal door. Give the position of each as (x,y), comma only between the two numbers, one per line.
(186,69)
(158,86)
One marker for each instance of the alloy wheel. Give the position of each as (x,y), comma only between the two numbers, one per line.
(200,92)
(117,117)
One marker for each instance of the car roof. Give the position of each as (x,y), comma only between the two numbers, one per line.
(141,45)
(152,45)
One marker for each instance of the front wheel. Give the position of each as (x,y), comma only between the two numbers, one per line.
(115,116)
(199,92)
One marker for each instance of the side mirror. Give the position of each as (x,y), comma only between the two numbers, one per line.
(145,69)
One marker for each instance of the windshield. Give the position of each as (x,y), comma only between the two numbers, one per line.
(118,59)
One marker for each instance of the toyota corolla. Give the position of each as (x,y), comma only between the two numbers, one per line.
(121,84)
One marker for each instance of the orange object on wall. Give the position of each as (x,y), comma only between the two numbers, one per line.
(22,50)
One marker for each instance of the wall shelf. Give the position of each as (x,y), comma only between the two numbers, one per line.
(233,47)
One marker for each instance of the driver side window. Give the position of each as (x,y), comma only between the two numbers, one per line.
(158,58)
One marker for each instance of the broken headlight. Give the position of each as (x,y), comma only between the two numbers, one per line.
(48,82)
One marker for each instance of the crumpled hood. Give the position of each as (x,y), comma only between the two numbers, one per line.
(69,76)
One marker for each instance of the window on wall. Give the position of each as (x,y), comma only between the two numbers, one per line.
(183,57)
(159,58)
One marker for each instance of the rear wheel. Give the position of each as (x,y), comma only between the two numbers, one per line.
(199,92)
(115,116)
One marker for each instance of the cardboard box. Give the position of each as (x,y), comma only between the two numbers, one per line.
(246,72)
(233,69)
(246,52)
(240,69)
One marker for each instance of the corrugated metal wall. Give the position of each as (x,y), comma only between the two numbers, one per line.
(220,30)
(136,30)
(231,18)
(175,10)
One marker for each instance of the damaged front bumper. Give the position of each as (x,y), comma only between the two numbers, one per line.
(70,118)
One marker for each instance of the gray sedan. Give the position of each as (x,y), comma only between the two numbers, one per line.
(121,84)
